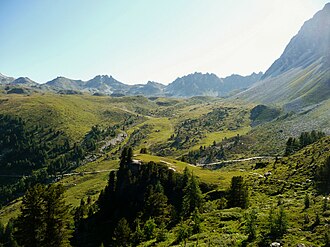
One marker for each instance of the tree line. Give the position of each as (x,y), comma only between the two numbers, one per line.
(306,138)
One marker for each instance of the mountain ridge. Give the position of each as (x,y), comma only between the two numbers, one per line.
(300,77)
(194,84)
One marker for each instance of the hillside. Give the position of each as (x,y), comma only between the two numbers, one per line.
(203,161)
(301,76)
(291,179)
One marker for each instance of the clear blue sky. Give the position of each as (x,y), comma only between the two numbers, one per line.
(140,40)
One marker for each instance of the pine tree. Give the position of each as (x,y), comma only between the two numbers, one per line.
(251,224)
(196,220)
(278,223)
(192,197)
(156,205)
(122,233)
(161,233)
(238,193)
(138,235)
(30,224)
(44,212)
(149,229)
(183,233)
(56,217)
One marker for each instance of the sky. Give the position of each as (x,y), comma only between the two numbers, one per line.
(137,41)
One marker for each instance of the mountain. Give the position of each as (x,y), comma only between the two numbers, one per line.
(238,82)
(5,79)
(102,84)
(312,43)
(24,81)
(150,89)
(196,84)
(301,76)
(65,84)
(105,84)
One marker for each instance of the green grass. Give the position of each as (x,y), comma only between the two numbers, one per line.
(219,136)
(77,186)
(221,178)
(75,114)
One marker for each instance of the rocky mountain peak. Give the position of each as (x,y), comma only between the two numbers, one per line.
(310,44)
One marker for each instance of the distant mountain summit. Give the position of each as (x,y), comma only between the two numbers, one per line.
(301,76)
(66,83)
(195,84)
(150,89)
(24,81)
(199,84)
(5,79)
(106,84)
(238,82)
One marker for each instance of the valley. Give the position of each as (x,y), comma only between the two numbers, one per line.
(170,132)
(203,161)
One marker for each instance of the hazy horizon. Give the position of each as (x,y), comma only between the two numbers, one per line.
(136,42)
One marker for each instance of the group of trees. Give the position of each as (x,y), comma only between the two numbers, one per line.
(29,151)
(190,131)
(205,154)
(140,202)
(305,138)
(24,148)
(43,221)
(96,134)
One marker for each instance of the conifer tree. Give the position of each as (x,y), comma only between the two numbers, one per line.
(192,198)
(238,193)
(30,224)
(44,218)
(156,205)
(278,223)
(56,217)
(122,233)
(251,224)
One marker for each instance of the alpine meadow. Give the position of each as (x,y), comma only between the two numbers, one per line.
(200,161)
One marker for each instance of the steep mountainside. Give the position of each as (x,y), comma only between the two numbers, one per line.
(301,76)
(310,44)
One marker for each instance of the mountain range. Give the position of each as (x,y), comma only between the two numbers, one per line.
(300,77)
(196,84)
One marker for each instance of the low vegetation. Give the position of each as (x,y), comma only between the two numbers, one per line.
(131,171)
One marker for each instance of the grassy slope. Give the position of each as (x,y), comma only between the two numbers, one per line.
(90,110)
(295,88)
(225,227)
(73,114)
